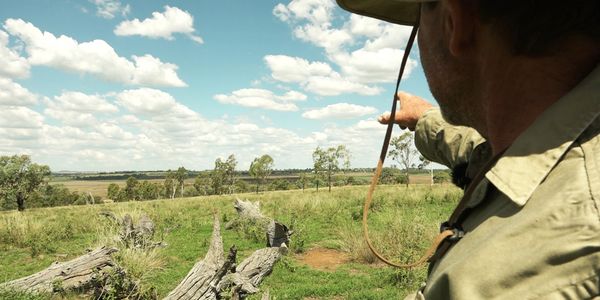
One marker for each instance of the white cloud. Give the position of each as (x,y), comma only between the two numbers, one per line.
(364,50)
(377,66)
(146,101)
(80,102)
(108,9)
(11,63)
(339,111)
(78,109)
(295,69)
(161,25)
(260,98)
(72,118)
(96,57)
(314,11)
(315,77)
(20,117)
(13,94)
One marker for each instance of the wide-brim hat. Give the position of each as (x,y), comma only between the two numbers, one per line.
(403,12)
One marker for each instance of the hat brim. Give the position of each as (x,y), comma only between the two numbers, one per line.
(398,12)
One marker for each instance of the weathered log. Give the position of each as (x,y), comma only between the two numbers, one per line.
(134,235)
(200,282)
(251,272)
(213,275)
(277,233)
(76,274)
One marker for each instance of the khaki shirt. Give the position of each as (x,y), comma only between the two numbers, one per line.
(534,231)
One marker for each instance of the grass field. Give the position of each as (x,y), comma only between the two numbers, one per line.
(329,259)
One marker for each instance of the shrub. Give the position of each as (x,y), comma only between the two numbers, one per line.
(441,177)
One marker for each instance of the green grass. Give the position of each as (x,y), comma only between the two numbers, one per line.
(402,223)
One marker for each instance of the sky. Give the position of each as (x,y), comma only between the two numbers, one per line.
(109,85)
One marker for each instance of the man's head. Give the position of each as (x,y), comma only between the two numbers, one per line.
(460,40)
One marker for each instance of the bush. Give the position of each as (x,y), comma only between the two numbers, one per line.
(401,179)
(190,191)
(280,184)
(441,177)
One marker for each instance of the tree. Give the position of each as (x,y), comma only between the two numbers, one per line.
(20,178)
(169,185)
(203,183)
(328,161)
(131,188)
(180,176)
(303,179)
(403,151)
(113,191)
(260,169)
(148,190)
(223,176)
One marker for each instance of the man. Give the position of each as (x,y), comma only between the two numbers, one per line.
(518,84)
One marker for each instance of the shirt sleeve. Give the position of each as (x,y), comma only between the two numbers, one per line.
(441,142)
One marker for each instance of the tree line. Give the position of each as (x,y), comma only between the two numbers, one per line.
(23,181)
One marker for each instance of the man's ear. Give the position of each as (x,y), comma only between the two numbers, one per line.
(459,23)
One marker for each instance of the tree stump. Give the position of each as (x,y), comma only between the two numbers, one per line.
(277,233)
(251,272)
(134,235)
(199,283)
(214,275)
(76,274)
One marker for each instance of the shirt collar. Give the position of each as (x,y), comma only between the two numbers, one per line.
(532,156)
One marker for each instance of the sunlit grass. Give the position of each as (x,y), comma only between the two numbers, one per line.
(402,223)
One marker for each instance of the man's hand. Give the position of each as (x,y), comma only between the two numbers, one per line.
(411,109)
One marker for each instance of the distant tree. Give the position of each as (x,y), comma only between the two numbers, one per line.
(230,174)
(280,185)
(148,190)
(403,151)
(57,194)
(389,175)
(303,179)
(131,188)
(203,184)
(260,169)
(170,185)
(327,161)
(224,175)
(113,191)
(180,176)
(20,178)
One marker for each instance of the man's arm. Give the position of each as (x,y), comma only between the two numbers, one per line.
(436,139)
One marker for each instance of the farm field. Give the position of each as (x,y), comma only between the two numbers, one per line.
(328,258)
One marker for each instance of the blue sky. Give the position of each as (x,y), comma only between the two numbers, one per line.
(111,85)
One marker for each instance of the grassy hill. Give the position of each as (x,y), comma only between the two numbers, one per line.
(328,257)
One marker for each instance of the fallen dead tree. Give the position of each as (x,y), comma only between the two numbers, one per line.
(277,233)
(215,275)
(132,235)
(78,274)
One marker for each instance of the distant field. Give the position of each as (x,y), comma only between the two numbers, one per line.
(328,259)
(100,187)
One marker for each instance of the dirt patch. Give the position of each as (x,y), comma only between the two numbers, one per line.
(323,258)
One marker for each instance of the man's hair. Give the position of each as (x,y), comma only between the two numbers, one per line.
(537,27)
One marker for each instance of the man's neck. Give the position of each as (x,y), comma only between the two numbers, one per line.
(517,90)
